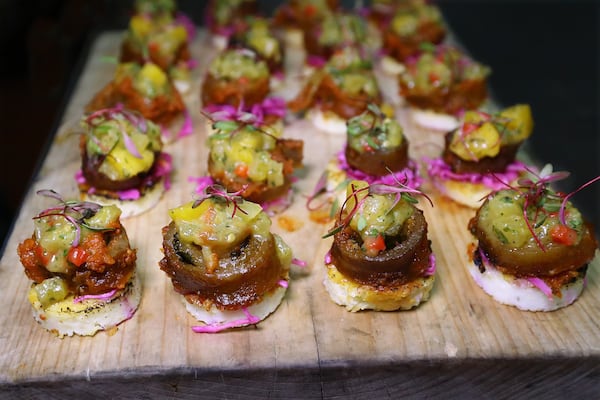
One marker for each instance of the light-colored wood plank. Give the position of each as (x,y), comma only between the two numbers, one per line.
(309,336)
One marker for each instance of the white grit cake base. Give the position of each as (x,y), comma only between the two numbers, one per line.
(521,293)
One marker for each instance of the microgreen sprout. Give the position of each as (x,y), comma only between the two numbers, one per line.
(219,193)
(399,189)
(76,212)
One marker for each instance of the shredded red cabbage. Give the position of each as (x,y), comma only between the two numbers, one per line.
(315,61)
(215,328)
(185,21)
(103,296)
(327,258)
(432,265)
(540,284)
(298,262)
(271,106)
(438,169)
(187,128)
(279,204)
(283,283)
(537,282)
(191,63)
(202,182)
(410,174)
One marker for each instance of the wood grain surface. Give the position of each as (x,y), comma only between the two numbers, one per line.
(460,342)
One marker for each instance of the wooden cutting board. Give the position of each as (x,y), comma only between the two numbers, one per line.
(460,342)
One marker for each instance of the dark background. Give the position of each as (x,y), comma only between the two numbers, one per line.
(544,53)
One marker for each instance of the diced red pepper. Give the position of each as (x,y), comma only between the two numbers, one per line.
(433,77)
(374,244)
(41,255)
(243,80)
(241,170)
(484,115)
(469,127)
(77,256)
(562,234)
(310,10)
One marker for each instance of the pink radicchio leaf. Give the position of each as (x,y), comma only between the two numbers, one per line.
(327,258)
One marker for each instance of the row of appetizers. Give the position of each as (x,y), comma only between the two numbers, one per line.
(533,244)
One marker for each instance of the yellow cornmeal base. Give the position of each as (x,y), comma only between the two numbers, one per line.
(355,296)
(86,318)
(465,193)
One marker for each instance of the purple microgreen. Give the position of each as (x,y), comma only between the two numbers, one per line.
(565,199)
(73,211)
(319,189)
(231,120)
(342,223)
(128,142)
(399,189)
(219,193)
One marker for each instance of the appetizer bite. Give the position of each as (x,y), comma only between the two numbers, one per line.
(533,245)
(225,17)
(440,83)
(381,257)
(256,34)
(254,161)
(296,17)
(122,161)
(340,90)
(236,77)
(159,39)
(148,90)
(377,150)
(411,26)
(221,256)
(481,154)
(330,34)
(82,267)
